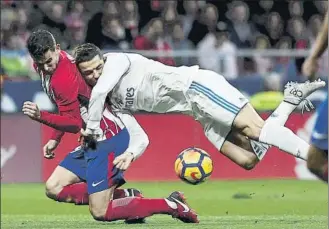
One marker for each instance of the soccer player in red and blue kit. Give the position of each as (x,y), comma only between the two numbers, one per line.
(317,161)
(62,83)
(65,87)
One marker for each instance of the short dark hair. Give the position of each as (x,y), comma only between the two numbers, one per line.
(86,52)
(40,42)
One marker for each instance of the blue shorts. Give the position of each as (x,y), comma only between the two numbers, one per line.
(76,163)
(320,132)
(101,174)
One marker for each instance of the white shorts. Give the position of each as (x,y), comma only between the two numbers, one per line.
(215,104)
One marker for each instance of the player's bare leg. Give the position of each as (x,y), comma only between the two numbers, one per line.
(238,149)
(103,208)
(65,186)
(254,127)
(256,150)
(317,162)
(59,187)
(244,158)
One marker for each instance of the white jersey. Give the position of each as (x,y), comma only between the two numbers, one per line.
(134,82)
(150,85)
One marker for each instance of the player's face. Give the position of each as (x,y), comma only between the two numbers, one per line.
(48,63)
(92,70)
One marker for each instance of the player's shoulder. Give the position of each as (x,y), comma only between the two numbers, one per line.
(115,55)
(66,70)
(115,58)
(123,55)
(66,64)
(66,58)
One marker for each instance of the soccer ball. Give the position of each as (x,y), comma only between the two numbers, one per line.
(193,166)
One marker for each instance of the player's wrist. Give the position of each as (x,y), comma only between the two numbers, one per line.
(40,115)
(314,57)
(92,126)
(132,155)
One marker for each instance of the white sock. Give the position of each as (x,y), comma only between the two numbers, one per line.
(279,117)
(281,113)
(284,139)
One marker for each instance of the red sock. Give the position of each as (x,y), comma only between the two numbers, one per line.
(74,193)
(135,208)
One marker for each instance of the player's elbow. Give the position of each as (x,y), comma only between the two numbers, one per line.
(99,93)
(77,128)
(250,163)
(74,128)
(144,141)
(76,125)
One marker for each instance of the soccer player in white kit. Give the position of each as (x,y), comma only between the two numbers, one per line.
(132,82)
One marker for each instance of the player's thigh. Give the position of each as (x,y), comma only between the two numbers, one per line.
(102,176)
(101,172)
(316,158)
(240,140)
(75,163)
(213,97)
(224,140)
(62,177)
(99,201)
(248,122)
(72,169)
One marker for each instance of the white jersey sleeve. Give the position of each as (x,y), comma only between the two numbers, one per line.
(115,67)
(138,138)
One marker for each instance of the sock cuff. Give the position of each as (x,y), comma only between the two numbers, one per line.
(259,149)
(265,130)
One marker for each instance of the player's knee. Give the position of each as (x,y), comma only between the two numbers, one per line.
(250,163)
(249,122)
(252,130)
(314,159)
(53,187)
(98,213)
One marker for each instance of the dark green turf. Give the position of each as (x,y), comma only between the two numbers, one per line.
(229,204)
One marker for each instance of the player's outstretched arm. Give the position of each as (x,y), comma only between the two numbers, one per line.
(310,65)
(114,68)
(138,138)
(138,141)
(66,121)
(321,42)
(65,89)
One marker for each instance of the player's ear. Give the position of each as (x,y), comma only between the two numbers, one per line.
(58,47)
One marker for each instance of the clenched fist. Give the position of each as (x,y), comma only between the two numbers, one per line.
(48,149)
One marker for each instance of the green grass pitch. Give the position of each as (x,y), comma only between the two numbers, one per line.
(277,204)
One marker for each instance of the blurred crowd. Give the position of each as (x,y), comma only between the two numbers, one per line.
(209,27)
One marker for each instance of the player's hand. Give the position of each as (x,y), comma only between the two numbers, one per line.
(310,67)
(31,109)
(87,139)
(48,149)
(123,161)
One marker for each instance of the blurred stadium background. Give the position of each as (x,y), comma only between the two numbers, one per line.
(257,45)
